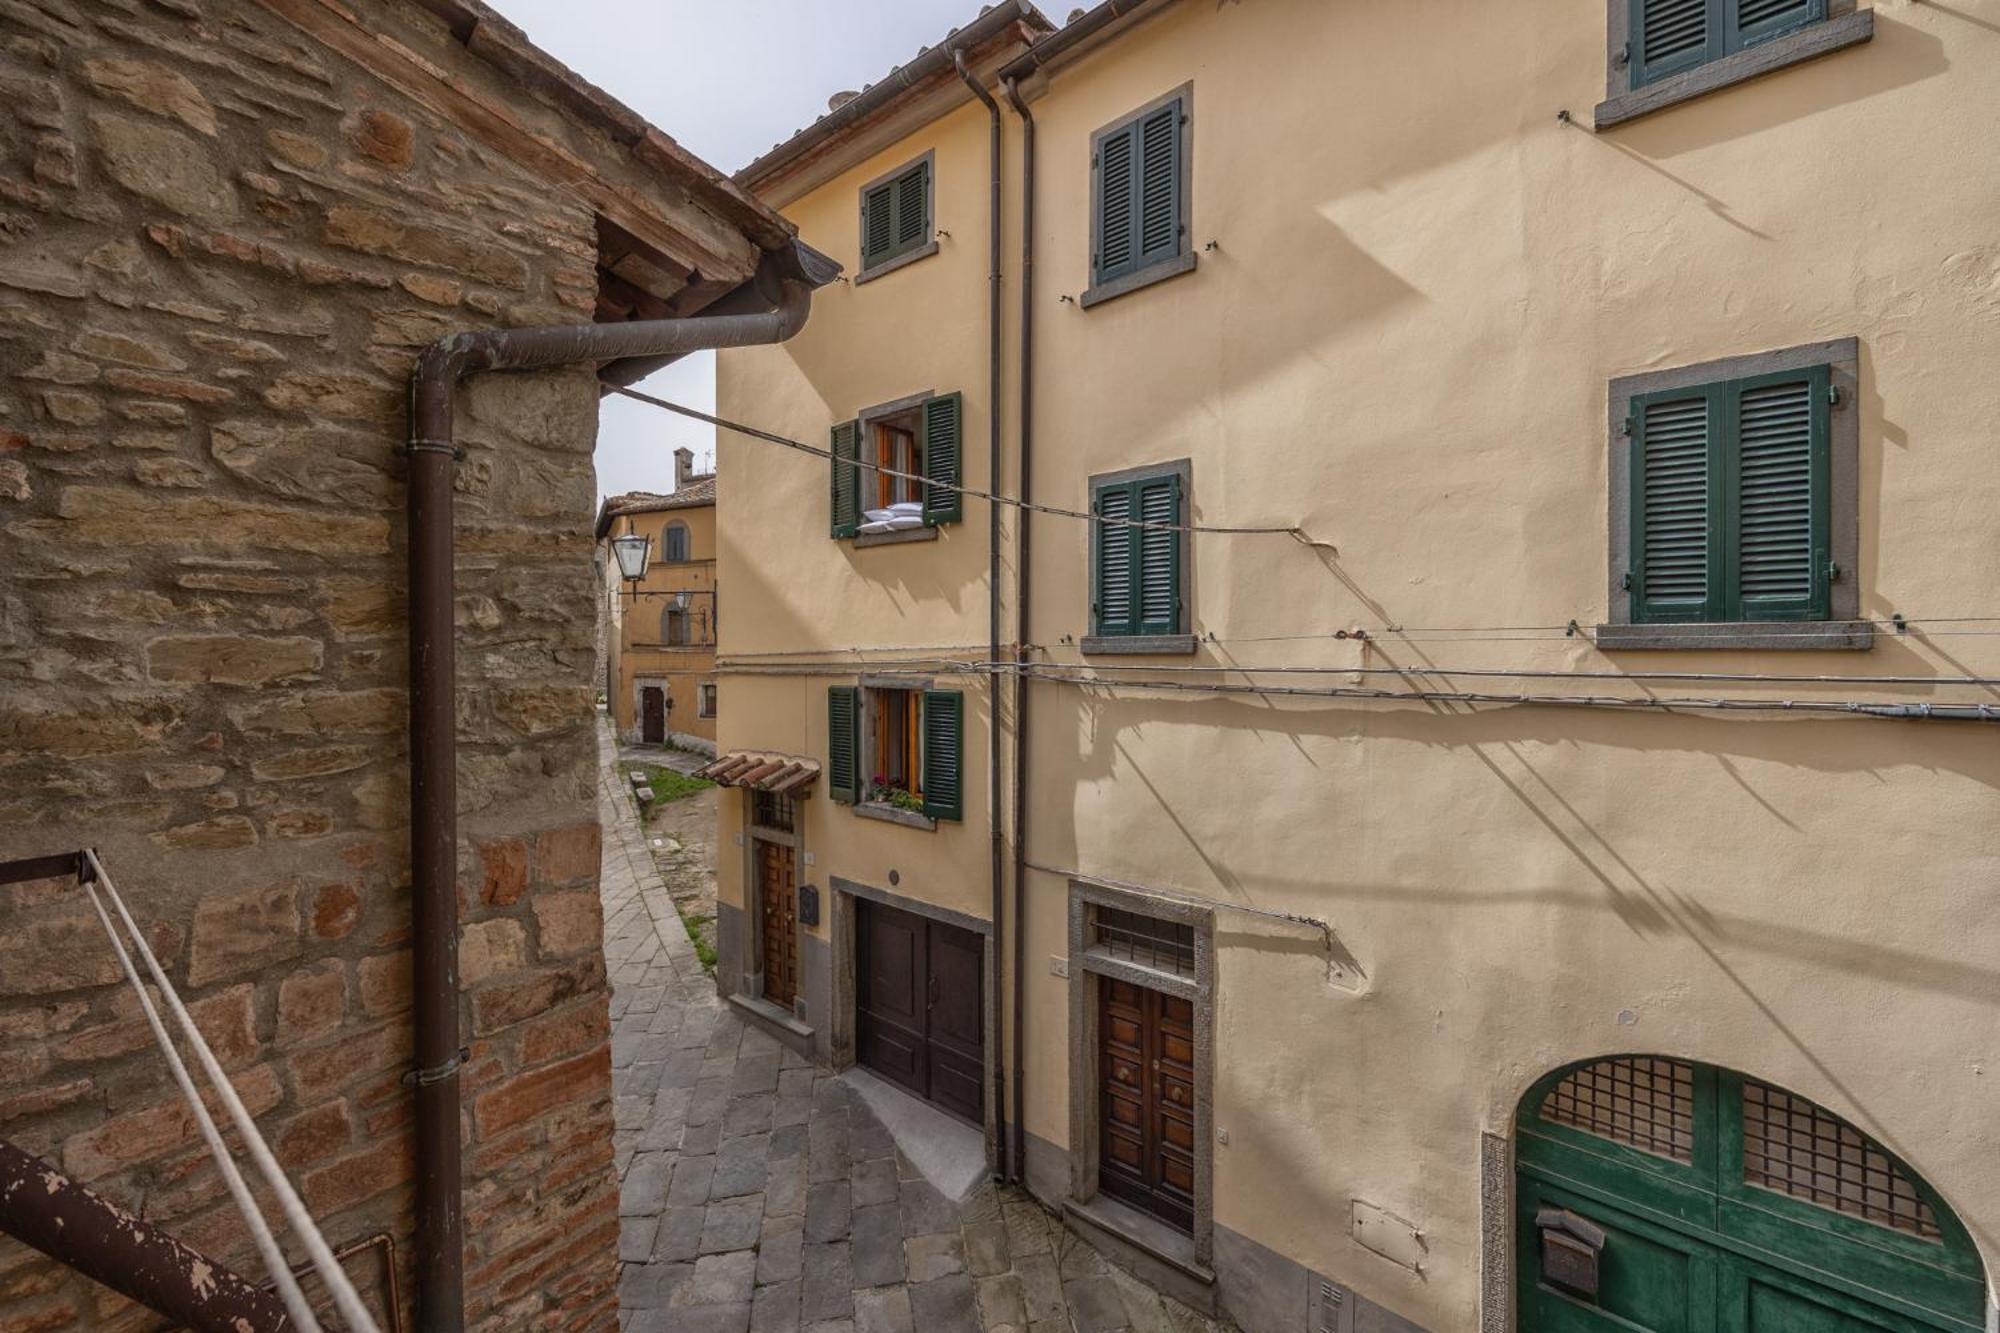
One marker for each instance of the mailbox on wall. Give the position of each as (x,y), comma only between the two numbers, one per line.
(808,904)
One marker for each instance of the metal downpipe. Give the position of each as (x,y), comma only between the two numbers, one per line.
(440,1223)
(993,392)
(1017,1160)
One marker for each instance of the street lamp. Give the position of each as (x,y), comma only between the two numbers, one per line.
(631,550)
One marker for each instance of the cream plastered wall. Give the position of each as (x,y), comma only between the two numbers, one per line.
(796,596)
(1421,283)
(641,650)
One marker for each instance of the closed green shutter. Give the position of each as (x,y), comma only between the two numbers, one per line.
(843,743)
(1114,609)
(1669,36)
(895,216)
(944,418)
(1731,500)
(846,484)
(1752,21)
(1676,506)
(944,754)
(1139,189)
(1159,559)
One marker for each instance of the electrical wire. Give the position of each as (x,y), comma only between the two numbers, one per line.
(1057,511)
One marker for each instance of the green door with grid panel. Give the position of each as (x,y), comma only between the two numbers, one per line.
(1662,1195)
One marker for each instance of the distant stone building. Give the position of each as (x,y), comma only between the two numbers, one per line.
(226,228)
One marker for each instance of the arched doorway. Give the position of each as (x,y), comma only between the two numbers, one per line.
(1659,1194)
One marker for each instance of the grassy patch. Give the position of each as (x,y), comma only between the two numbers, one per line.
(702,948)
(670,784)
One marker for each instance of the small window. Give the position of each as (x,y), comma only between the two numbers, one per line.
(1139,199)
(896,223)
(897,470)
(1667,51)
(772,811)
(674,542)
(1164,946)
(674,627)
(1138,561)
(897,749)
(705,701)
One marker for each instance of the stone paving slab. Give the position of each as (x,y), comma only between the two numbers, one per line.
(761,1195)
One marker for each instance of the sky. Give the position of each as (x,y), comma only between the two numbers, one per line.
(728,79)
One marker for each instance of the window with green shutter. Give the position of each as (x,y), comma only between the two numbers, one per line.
(898,467)
(843,743)
(1138,553)
(1730,500)
(944,754)
(896,216)
(846,483)
(1139,198)
(1670,36)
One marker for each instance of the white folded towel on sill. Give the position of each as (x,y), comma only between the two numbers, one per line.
(908,507)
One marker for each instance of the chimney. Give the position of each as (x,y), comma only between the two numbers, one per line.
(683,467)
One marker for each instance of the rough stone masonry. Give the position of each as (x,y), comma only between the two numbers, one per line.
(220,247)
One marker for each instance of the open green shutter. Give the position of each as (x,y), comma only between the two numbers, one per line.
(1158,139)
(1669,36)
(944,754)
(878,224)
(1113,599)
(1117,245)
(843,743)
(1779,550)
(846,485)
(1677,506)
(944,418)
(1159,555)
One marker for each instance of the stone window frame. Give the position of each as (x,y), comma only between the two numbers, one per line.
(882,810)
(1844,26)
(868,416)
(1087,967)
(930,247)
(705,699)
(1844,630)
(1144,645)
(1184,260)
(841,1021)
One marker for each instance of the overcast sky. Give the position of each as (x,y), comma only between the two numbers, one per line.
(727,78)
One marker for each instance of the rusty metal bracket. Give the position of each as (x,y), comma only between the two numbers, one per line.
(438,1073)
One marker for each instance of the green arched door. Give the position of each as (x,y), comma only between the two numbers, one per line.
(1660,1195)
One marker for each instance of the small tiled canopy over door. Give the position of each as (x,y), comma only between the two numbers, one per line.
(1659,1194)
(919,1016)
(1146,1143)
(777,910)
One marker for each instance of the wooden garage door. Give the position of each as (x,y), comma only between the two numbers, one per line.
(920,1015)
(1146,1100)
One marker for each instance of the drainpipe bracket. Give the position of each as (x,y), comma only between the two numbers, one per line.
(434,447)
(420,1078)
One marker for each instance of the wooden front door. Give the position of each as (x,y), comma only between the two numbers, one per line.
(653,716)
(1146,1100)
(777,902)
(919,1006)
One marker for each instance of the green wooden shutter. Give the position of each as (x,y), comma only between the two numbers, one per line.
(1158,138)
(1749,22)
(1669,36)
(1113,597)
(846,484)
(1117,206)
(1778,551)
(843,743)
(913,208)
(944,754)
(878,224)
(1677,506)
(1158,555)
(944,429)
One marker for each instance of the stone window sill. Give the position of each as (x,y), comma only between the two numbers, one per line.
(1138,645)
(889,266)
(1145,277)
(1820,39)
(891,814)
(924,534)
(1779,636)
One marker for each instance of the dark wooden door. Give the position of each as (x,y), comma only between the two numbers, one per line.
(777,900)
(653,716)
(919,1006)
(1146,1100)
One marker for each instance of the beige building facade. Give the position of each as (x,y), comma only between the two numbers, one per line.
(659,681)
(1508,788)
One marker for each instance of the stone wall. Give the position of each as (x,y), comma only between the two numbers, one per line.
(220,248)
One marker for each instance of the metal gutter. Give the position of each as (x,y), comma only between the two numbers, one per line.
(993,392)
(789,278)
(1017,1157)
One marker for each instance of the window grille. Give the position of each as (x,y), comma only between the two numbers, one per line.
(1641,1102)
(1165,946)
(1805,1151)
(772,811)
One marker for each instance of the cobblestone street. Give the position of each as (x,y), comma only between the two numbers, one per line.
(761,1193)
